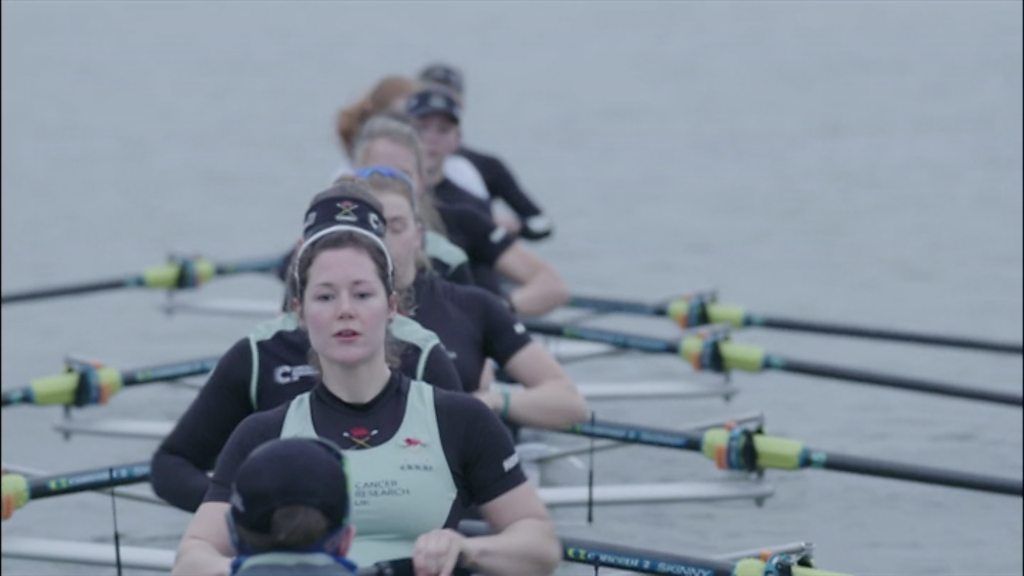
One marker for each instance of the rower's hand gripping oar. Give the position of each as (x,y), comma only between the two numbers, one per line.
(711,349)
(178,273)
(84,384)
(702,308)
(746,448)
(639,560)
(19,490)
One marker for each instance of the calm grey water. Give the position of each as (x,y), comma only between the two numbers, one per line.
(843,161)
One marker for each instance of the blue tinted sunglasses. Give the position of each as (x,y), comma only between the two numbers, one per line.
(386,172)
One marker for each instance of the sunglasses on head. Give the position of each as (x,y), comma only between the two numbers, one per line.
(385,172)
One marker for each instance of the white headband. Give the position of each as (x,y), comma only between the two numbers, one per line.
(342,228)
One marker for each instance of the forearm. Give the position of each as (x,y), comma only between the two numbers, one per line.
(553,404)
(540,294)
(200,558)
(528,546)
(178,481)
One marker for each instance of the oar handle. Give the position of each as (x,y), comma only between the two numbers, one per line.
(901,471)
(892,381)
(884,334)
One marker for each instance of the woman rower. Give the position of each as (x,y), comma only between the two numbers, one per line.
(389,96)
(417,455)
(264,370)
(496,179)
(471,322)
(492,252)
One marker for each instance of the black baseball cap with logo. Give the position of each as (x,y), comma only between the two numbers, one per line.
(433,101)
(445,75)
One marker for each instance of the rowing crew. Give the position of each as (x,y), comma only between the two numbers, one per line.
(483,175)
(269,367)
(419,456)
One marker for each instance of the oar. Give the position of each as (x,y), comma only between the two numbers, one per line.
(18,490)
(694,310)
(179,273)
(607,555)
(711,349)
(741,448)
(84,384)
(123,493)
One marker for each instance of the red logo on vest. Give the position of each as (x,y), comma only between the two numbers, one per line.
(414,443)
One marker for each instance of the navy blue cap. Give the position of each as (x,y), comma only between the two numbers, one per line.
(444,75)
(286,472)
(433,101)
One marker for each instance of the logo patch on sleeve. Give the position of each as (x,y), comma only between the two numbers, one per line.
(497,235)
(510,462)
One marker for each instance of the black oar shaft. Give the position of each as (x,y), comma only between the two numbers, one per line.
(70,483)
(608,555)
(169,371)
(617,339)
(773,453)
(889,469)
(610,305)
(88,385)
(883,334)
(185,273)
(253,265)
(580,551)
(710,311)
(892,381)
(749,358)
(55,291)
(650,436)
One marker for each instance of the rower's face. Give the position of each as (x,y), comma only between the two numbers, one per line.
(404,237)
(345,307)
(440,137)
(383,152)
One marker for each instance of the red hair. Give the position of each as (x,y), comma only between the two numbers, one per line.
(351,118)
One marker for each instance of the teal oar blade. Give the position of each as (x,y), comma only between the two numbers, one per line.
(645,561)
(83,384)
(701,308)
(19,490)
(730,449)
(181,273)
